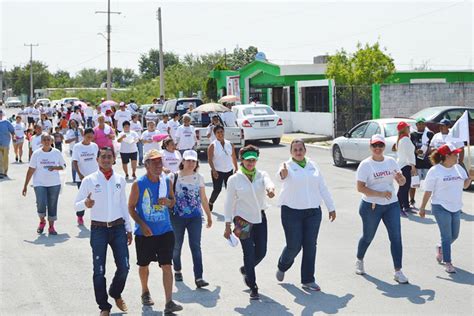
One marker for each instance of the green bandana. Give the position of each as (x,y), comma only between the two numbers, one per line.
(248,172)
(301,163)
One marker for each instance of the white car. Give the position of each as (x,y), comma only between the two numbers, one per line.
(354,144)
(259,122)
(67,101)
(44,102)
(12,102)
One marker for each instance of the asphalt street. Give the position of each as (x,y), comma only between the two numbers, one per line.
(52,275)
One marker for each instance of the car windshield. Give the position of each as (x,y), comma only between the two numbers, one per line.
(184,104)
(427,114)
(258,110)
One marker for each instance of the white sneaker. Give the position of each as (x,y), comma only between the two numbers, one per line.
(400,277)
(450,268)
(360,267)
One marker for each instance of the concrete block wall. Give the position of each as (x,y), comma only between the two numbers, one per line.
(405,100)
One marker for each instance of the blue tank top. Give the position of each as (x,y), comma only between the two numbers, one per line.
(156,216)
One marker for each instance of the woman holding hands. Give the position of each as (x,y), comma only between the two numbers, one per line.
(303,191)
(375,177)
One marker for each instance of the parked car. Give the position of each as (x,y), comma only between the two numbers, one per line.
(234,135)
(67,101)
(259,122)
(434,115)
(180,105)
(12,102)
(354,144)
(44,102)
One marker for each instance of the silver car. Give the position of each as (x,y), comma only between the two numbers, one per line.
(354,145)
(12,102)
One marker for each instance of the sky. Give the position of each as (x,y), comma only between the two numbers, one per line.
(436,33)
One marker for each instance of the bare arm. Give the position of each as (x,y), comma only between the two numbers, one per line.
(205,205)
(29,174)
(210,156)
(132,203)
(75,166)
(362,188)
(426,198)
(234,159)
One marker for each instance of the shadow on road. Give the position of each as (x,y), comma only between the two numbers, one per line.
(461,276)
(84,232)
(219,217)
(417,219)
(204,297)
(148,311)
(467,217)
(317,301)
(49,241)
(265,305)
(412,292)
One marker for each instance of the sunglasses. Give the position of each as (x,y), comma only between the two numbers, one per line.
(378,145)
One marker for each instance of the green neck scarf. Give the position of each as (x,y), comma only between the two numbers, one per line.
(248,172)
(301,163)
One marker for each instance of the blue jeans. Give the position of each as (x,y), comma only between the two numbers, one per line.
(79,213)
(301,231)
(116,237)
(194,227)
(449,224)
(390,215)
(254,249)
(140,152)
(47,201)
(89,122)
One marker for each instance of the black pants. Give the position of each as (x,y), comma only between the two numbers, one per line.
(217,184)
(403,191)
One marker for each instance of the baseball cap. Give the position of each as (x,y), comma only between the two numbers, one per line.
(377,138)
(250,155)
(402,125)
(445,121)
(152,154)
(420,120)
(190,155)
(122,104)
(448,149)
(108,112)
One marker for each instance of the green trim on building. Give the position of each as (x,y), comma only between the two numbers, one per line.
(376,101)
(449,76)
(331,101)
(297,101)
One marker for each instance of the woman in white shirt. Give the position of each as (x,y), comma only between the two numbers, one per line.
(73,136)
(136,126)
(171,157)
(163,126)
(151,115)
(406,162)
(35,140)
(301,196)
(245,207)
(44,167)
(20,130)
(147,138)
(128,148)
(375,180)
(46,124)
(185,135)
(223,162)
(444,184)
(173,125)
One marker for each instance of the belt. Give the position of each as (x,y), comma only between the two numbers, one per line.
(117,222)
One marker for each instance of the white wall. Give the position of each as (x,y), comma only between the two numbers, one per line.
(307,122)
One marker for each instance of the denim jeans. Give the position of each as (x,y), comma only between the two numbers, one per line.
(89,122)
(301,231)
(390,215)
(79,213)
(254,249)
(404,190)
(116,237)
(217,184)
(47,201)
(449,224)
(140,152)
(194,227)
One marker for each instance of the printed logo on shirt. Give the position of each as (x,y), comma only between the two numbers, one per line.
(97,188)
(381,174)
(87,156)
(118,186)
(451,178)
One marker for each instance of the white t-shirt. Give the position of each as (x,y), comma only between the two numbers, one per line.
(446,185)
(72,134)
(35,143)
(147,135)
(229,119)
(77,117)
(46,125)
(151,116)
(171,160)
(20,129)
(41,161)
(173,128)
(122,116)
(35,114)
(185,137)
(86,157)
(439,140)
(105,107)
(136,127)
(129,143)
(378,176)
(162,127)
(89,112)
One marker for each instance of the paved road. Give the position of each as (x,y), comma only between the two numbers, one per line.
(45,275)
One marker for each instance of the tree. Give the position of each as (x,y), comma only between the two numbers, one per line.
(369,64)
(90,78)
(19,78)
(149,64)
(241,57)
(123,77)
(61,79)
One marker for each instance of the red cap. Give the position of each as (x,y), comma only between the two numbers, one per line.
(448,149)
(402,126)
(108,112)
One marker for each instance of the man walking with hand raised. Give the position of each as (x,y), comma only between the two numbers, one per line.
(103,192)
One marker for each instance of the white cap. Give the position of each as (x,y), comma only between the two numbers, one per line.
(190,155)
(377,138)
(122,104)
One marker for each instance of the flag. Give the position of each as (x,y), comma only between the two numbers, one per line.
(460,130)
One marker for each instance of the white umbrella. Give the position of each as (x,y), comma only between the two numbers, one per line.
(211,107)
(228,98)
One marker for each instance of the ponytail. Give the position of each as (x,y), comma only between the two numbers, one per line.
(436,158)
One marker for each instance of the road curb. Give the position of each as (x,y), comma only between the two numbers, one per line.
(310,145)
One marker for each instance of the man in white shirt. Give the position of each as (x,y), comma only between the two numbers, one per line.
(185,135)
(84,161)
(439,139)
(173,125)
(103,192)
(229,118)
(121,116)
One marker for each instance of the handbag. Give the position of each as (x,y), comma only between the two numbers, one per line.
(415,181)
(242,228)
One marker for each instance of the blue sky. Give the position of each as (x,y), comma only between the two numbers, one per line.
(439,33)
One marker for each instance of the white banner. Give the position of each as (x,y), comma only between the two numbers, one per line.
(233,87)
(460,130)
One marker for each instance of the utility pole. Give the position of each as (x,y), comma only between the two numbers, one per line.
(162,66)
(109,72)
(31,70)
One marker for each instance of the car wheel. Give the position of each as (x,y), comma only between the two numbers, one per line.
(337,157)
(276,141)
